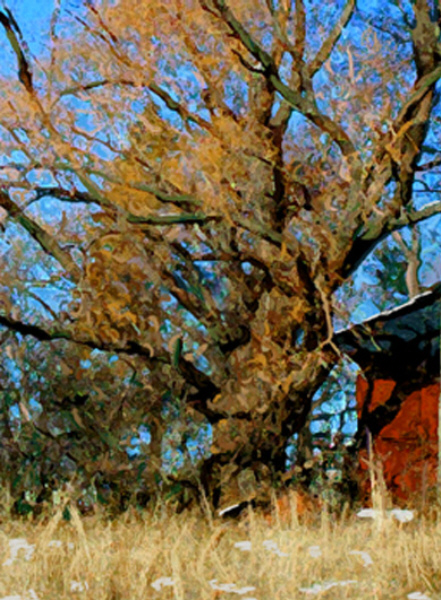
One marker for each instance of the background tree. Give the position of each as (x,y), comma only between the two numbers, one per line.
(199,180)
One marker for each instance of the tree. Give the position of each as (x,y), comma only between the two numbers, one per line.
(219,171)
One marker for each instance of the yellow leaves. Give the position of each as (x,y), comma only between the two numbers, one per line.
(259,360)
(172,170)
(224,441)
(146,18)
(297,310)
(126,196)
(87,329)
(115,308)
(230,131)
(108,334)
(267,329)
(286,383)
(123,252)
(208,153)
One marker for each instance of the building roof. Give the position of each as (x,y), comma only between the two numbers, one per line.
(396,342)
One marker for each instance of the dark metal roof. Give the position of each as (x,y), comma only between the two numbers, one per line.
(406,338)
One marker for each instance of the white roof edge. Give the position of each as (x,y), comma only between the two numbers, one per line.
(387,313)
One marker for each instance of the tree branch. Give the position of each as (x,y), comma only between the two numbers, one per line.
(422,86)
(328,45)
(184,218)
(46,241)
(306,106)
(300,30)
(425,36)
(436,162)
(402,146)
(182,111)
(51,247)
(172,104)
(248,224)
(17,43)
(380,229)
(207,390)
(414,216)
(376,24)
(241,33)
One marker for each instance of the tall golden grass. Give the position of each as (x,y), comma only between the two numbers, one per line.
(282,555)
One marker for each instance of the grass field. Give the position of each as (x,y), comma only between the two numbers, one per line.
(193,556)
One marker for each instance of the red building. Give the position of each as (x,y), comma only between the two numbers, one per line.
(398,394)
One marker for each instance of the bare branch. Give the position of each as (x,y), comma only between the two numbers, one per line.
(240,32)
(16,40)
(249,224)
(179,108)
(325,123)
(385,224)
(307,106)
(271,7)
(412,217)
(376,24)
(103,25)
(425,36)
(44,304)
(328,45)
(421,88)
(380,229)
(48,334)
(109,43)
(248,65)
(182,111)
(196,308)
(413,260)
(300,30)
(201,381)
(401,147)
(46,241)
(426,188)
(436,162)
(183,218)
(35,331)
(73,196)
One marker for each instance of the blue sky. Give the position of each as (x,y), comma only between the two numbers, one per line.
(33,18)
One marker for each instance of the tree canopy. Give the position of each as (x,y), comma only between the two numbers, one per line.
(188,185)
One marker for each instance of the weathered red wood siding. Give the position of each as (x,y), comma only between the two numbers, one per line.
(408,446)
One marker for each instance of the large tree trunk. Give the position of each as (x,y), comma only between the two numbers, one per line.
(249,446)
(266,399)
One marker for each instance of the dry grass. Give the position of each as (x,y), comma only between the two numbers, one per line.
(190,556)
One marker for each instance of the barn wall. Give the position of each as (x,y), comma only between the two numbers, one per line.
(407,447)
